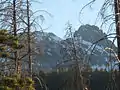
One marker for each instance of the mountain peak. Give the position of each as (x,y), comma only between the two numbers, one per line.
(46,35)
(86,34)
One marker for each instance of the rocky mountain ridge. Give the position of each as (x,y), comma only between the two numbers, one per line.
(86,34)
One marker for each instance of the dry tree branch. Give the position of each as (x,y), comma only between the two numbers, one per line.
(88,4)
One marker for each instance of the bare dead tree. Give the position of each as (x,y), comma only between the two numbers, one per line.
(15,34)
(29,40)
(109,14)
(14,18)
(73,57)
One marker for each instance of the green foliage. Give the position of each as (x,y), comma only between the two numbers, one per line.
(15,81)
(29,81)
(8,41)
(2,48)
(5,88)
(4,54)
(3,36)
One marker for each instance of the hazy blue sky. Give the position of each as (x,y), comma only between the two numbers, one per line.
(67,10)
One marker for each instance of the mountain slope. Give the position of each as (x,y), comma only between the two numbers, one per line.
(86,35)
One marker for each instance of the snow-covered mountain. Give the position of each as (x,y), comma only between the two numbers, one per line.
(44,35)
(55,48)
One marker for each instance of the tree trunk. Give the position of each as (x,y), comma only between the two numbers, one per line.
(29,41)
(117,21)
(15,33)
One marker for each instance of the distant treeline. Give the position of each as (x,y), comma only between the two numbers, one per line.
(98,80)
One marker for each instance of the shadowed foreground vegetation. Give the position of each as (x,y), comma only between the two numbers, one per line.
(97,80)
